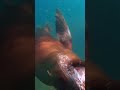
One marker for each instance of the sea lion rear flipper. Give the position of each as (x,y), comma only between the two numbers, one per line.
(63,32)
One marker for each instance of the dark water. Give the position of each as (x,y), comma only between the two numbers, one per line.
(74,13)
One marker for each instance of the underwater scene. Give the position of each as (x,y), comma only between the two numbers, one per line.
(72,16)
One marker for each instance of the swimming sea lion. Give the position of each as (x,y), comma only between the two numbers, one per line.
(57,55)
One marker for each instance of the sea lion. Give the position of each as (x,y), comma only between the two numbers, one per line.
(58,55)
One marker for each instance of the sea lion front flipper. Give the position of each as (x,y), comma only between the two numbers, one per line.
(41,32)
(63,32)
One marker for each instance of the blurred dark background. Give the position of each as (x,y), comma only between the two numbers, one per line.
(103,19)
(103,29)
(17,44)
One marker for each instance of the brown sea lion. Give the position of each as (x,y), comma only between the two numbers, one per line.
(58,54)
